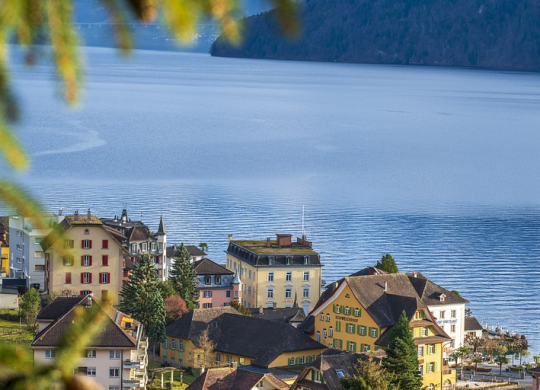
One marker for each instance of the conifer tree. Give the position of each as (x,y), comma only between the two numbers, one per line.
(184,278)
(401,356)
(388,264)
(141,299)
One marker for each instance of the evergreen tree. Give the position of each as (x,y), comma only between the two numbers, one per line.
(184,278)
(141,298)
(371,375)
(387,264)
(401,356)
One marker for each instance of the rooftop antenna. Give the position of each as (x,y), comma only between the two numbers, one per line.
(303,231)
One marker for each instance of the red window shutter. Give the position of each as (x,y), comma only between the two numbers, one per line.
(105,244)
(105,260)
(108,277)
(68,277)
(82,260)
(82,292)
(90,244)
(89,277)
(82,244)
(82,278)
(90,260)
(72,243)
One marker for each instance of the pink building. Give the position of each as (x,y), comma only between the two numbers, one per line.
(216,284)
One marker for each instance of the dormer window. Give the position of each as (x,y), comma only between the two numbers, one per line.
(207,279)
(289,260)
(271,260)
(442,297)
(218,279)
(306,259)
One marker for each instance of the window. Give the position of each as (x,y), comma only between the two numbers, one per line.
(271,260)
(86,261)
(218,279)
(270,293)
(441,314)
(114,372)
(236,294)
(431,367)
(324,333)
(374,332)
(318,336)
(105,260)
(347,311)
(421,369)
(207,279)
(86,277)
(153,246)
(337,309)
(86,244)
(86,231)
(19,233)
(340,373)
(91,371)
(218,358)
(228,293)
(207,294)
(144,247)
(453,328)
(114,387)
(431,349)
(362,330)
(104,278)
(306,276)
(453,313)
(420,351)
(69,244)
(134,248)
(90,353)
(306,259)
(19,260)
(357,312)
(322,316)
(114,354)
(305,292)
(105,244)
(270,276)
(249,291)
(350,328)
(86,292)
(331,332)
(181,346)
(68,277)
(39,267)
(431,386)
(424,332)
(352,346)
(249,274)
(50,354)
(207,305)
(291,361)
(288,276)
(365,348)
(39,254)
(67,261)
(19,247)
(289,259)
(328,317)
(288,292)
(167,343)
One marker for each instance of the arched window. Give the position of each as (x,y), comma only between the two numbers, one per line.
(322,316)
(447,385)
(431,387)
(324,333)
(318,336)
(331,331)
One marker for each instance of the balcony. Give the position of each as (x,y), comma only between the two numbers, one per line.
(135,364)
(133,383)
(446,370)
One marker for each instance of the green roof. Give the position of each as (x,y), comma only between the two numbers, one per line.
(261,247)
(83,220)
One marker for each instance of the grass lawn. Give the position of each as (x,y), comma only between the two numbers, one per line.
(13,333)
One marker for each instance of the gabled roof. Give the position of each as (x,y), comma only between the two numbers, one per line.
(139,233)
(59,307)
(284,315)
(209,267)
(231,379)
(369,271)
(233,333)
(192,250)
(430,293)
(113,336)
(472,324)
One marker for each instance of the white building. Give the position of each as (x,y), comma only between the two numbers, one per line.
(116,359)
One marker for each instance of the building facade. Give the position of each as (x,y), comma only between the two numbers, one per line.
(27,257)
(216,285)
(116,359)
(4,247)
(276,273)
(357,314)
(139,239)
(83,256)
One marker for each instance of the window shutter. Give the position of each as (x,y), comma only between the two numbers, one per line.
(82,278)
(105,244)
(341,344)
(376,332)
(108,277)
(90,260)
(358,329)
(312,375)
(82,260)
(105,260)
(68,277)
(82,244)
(90,244)
(89,277)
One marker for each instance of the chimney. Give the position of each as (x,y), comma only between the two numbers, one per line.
(261,310)
(60,211)
(89,214)
(230,237)
(234,365)
(76,215)
(202,369)
(385,286)
(415,274)
(268,242)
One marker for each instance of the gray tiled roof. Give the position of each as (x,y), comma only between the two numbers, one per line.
(471,324)
(430,292)
(231,379)
(209,267)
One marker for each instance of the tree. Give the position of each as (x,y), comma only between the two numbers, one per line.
(184,278)
(29,308)
(402,357)
(203,246)
(371,375)
(175,308)
(459,353)
(241,308)
(387,264)
(500,360)
(207,346)
(474,343)
(142,300)
(166,289)
(476,361)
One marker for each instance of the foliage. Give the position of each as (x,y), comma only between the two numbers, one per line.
(241,308)
(184,278)
(402,357)
(175,308)
(500,360)
(455,292)
(476,361)
(207,346)
(29,306)
(166,289)
(476,33)
(371,375)
(388,264)
(459,353)
(142,300)
(203,246)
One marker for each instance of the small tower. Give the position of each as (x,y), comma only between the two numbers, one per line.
(161,236)
(124,216)
(237,288)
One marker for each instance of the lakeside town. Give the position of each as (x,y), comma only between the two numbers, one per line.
(261,319)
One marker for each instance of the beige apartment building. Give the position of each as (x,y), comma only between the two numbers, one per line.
(83,256)
(276,273)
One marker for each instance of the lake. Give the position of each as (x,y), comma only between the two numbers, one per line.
(438,167)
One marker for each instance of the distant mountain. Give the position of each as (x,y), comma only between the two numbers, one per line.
(503,34)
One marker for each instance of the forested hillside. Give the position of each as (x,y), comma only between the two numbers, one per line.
(503,34)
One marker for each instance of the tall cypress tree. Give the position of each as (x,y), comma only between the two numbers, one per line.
(184,278)
(141,298)
(401,356)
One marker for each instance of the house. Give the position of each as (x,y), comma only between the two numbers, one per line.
(227,378)
(84,256)
(288,315)
(357,313)
(325,372)
(139,239)
(473,327)
(27,256)
(4,247)
(236,339)
(275,272)
(117,358)
(217,286)
(195,254)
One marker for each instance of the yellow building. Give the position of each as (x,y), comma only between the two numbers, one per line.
(84,257)
(357,313)
(276,273)
(236,340)
(4,247)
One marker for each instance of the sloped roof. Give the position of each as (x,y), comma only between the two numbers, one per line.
(430,293)
(209,267)
(258,253)
(139,233)
(59,307)
(193,251)
(113,336)
(233,333)
(369,271)
(161,227)
(231,379)
(284,315)
(472,324)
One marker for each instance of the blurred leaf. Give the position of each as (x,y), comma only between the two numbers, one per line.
(182,17)
(122,33)
(287,14)
(145,10)
(11,149)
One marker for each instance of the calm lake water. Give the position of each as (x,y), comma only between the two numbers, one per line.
(439,167)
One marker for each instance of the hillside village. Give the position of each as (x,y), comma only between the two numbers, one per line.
(261,320)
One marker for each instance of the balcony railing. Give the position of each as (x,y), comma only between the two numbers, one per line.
(139,364)
(133,383)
